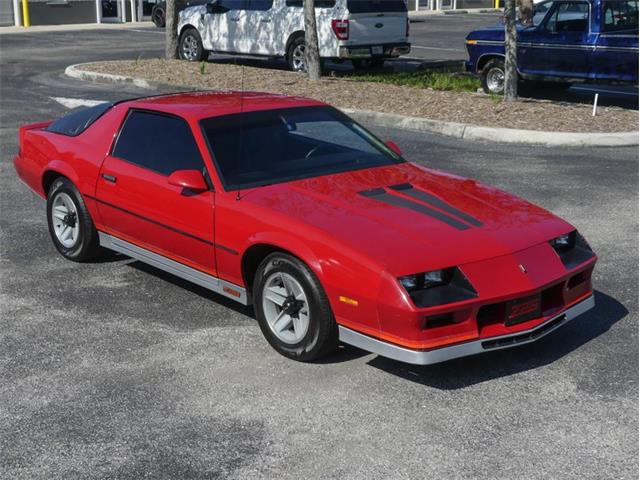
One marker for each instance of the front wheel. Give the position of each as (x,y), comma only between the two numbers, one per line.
(157,17)
(292,309)
(190,46)
(70,225)
(492,76)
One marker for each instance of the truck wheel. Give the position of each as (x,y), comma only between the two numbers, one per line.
(367,63)
(292,309)
(492,76)
(70,225)
(157,16)
(296,55)
(190,46)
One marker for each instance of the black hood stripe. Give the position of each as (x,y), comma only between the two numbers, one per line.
(407,189)
(383,196)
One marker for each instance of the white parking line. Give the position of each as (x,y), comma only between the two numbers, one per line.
(439,48)
(147,31)
(76,102)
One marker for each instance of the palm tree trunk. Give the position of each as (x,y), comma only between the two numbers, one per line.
(312,53)
(511,52)
(170,30)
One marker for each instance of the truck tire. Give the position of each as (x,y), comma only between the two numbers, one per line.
(492,76)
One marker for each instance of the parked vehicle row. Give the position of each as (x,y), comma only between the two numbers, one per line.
(569,41)
(366,32)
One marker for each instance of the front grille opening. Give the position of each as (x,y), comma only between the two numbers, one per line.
(577,279)
(490,314)
(442,320)
(552,299)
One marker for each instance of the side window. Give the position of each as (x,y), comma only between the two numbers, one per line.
(617,15)
(568,17)
(234,4)
(260,5)
(318,4)
(158,142)
(540,11)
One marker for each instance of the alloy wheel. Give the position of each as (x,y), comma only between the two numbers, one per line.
(285,307)
(65,220)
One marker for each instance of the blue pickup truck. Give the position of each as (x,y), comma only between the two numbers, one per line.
(569,41)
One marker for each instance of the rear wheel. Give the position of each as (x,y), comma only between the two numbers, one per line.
(296,55)
(70,225)
(367,63)
(292,309)
(190,46)
(492,76)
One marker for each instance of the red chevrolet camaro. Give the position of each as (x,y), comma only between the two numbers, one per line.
(287,204)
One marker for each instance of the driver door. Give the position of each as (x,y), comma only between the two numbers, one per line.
(560,47)
(137,204)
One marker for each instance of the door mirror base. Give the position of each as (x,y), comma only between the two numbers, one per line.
(393,146)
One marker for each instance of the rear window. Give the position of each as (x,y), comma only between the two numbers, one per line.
(78,121)
(375,6)
(618,15)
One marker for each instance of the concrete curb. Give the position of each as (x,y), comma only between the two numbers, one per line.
(75,27)
(450,129)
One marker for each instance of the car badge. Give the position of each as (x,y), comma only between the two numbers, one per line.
(379,25)
(523,268)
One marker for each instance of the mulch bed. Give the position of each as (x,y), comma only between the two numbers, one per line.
(470,108)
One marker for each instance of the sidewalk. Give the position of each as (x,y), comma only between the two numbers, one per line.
(75,27)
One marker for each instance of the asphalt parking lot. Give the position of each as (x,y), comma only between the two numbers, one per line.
(116,370)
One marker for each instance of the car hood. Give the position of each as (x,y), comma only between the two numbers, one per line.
(410,218)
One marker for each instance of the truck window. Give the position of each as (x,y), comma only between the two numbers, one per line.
(568,17)
(540,11)
(376,6)
(617,15)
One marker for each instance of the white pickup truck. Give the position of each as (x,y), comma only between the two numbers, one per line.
(364,31)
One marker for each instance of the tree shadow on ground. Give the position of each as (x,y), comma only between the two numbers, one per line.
(465,372)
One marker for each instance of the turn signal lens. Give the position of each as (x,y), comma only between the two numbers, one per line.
(472,42)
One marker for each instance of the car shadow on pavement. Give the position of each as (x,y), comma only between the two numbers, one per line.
(465,372)
(192,287)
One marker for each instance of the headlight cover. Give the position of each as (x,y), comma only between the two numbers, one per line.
(572,249)
(438,287)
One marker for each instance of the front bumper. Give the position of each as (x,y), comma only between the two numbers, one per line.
(388,50)
(428,357)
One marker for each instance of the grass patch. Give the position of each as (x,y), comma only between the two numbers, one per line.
(450,81)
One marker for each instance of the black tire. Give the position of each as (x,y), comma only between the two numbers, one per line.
(292,59)
(321,338)
(87,244)
(494,65)
(190,46)
(158,17)
(367,63)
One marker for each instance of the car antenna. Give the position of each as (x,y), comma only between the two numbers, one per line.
(238,197)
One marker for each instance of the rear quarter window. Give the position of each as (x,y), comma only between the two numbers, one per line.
(78,121)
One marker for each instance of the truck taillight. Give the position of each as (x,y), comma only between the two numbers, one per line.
(340,28)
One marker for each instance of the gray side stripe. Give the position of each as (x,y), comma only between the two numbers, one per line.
(383,196)
(407,189)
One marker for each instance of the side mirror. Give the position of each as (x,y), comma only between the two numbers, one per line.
(189,179)
(394,147)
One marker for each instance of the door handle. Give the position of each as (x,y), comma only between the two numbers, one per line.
(109,178)
(234,19)
(265,20)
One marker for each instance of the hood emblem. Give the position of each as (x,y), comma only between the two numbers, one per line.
(523,269)
(379,25)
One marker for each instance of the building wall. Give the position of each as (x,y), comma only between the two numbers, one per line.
(61,12)
(6,12)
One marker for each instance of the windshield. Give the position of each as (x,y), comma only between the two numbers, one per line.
(273,146)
